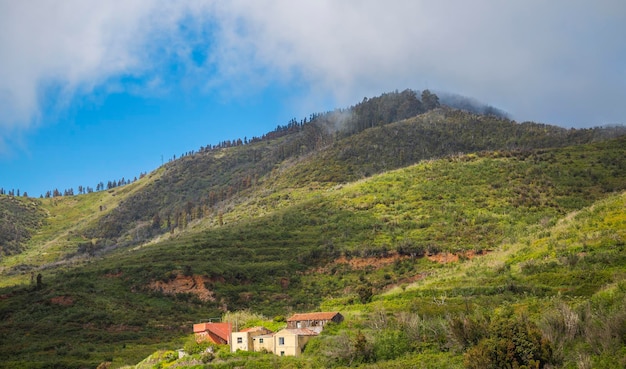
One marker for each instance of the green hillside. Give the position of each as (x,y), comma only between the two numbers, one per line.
(295,244)
(553,298)
(331,148)
(56,229)
(19,217)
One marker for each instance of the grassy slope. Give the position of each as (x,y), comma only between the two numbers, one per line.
(435,134)
(206,184)
(576,266)
(571,274)
(60,232)
(262,174)
(465,202)
(19,218)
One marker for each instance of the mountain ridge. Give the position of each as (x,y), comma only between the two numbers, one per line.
(343,224)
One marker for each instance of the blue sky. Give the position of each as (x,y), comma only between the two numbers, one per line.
(96,91)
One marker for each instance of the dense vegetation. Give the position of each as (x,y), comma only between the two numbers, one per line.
(200,185)
(19,217)
(447,239)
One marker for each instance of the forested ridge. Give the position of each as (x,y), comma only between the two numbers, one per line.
(379,134)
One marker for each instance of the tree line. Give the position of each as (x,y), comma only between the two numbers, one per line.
(100,186)
(376,111)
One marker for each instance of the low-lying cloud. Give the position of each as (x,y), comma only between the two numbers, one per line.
(559,62)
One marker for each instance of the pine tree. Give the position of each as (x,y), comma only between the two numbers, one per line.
(430,100)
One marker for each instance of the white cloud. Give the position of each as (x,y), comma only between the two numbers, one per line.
(52,50)
(558,61)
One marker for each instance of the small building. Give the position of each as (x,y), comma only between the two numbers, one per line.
(313,321)
(291,342)
(263,343)
(245,339)
(218,333)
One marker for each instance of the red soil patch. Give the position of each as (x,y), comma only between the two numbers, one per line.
(62,300)
(447,257)
(444,258)
(376,262)
(185,284)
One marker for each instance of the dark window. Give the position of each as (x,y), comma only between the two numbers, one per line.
(260,340)
(281,340)
(239,340)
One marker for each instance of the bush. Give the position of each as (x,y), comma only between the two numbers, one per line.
(207,357)
(512,343)
(365,294)
(466,332)
(391,344)
(408,247)
(192,347)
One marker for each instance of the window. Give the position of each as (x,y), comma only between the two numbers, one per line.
(282,353)
(281,340)
(260,340)
(239,339)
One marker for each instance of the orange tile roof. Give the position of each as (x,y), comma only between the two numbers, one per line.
(222,330)
(313,316)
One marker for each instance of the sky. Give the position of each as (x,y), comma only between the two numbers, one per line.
(95,91)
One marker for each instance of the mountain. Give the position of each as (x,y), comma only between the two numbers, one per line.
(351,205)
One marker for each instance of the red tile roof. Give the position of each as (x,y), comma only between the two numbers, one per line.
(221,330)
(312,316)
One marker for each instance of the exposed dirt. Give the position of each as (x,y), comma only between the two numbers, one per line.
(447,257)
(62,300)
(377,262)
(443,258)
(185,284)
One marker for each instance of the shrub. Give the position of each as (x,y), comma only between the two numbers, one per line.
(207,357)
(512,343)
(192,347)
(391,344)
(465,332)
(365,294)
(410,248)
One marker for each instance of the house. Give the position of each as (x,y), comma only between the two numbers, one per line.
(245,339)
(218,333)
(286,342)
(313,321)
(291,341)
(263,343)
